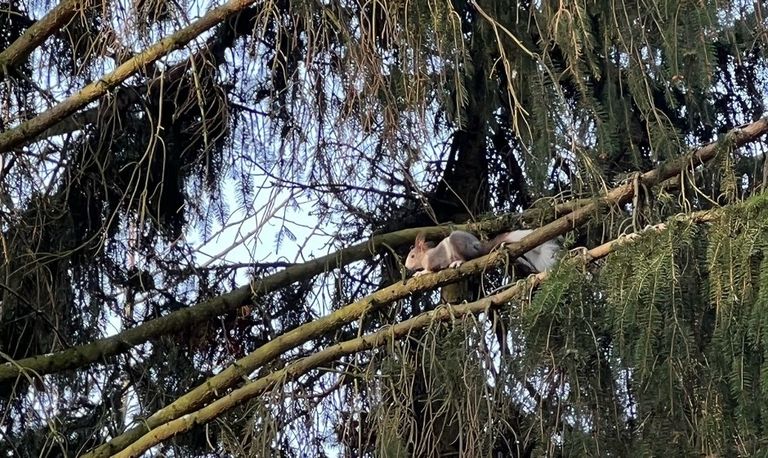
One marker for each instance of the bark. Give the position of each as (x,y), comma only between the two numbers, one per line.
(374,340)
(29,130)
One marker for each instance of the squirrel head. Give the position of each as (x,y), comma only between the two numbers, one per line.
(414,259)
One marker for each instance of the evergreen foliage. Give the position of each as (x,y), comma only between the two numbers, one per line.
(324,123)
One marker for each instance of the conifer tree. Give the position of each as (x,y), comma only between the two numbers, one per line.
(204,208)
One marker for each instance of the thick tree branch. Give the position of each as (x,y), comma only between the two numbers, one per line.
(227,378)
(230,376)
(36,34)
(28,130)
(374,340)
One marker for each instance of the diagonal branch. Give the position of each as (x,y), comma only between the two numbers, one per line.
(28,130)
(373,340)
(183,319)
(349,313)
(36,34)
(237,26)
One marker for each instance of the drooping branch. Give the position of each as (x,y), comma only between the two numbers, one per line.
(373,340)
(28,130)
(349,313)
(36,34)
(186,318)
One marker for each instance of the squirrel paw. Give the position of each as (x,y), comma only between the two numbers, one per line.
(421,272)
(455,264)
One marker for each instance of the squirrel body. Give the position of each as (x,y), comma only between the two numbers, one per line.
(452,251)
(462,246)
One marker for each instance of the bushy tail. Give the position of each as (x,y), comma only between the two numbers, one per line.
(540,259)
(543,257)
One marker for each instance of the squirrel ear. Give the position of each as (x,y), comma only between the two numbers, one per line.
(419,242)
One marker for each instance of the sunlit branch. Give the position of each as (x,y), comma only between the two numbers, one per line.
(37,33)
(28,130)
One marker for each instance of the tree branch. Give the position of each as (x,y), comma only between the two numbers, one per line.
(28,130)
(36,34)
(185,318)
(125,97)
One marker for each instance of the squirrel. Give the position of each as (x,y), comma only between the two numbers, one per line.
(462,246)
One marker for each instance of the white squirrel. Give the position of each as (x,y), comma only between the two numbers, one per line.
(462,246)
